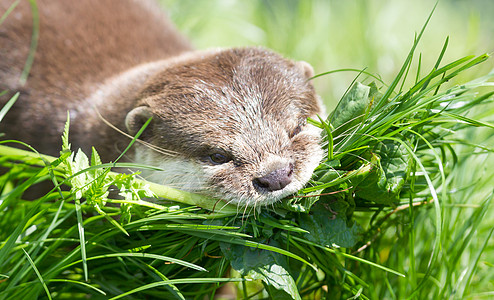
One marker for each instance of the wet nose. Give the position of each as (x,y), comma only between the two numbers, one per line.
(275,180)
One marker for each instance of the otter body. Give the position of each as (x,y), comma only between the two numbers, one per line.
(227,123)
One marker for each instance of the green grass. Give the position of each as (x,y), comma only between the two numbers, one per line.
(400,207)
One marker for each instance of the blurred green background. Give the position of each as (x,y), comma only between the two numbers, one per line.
(375,35)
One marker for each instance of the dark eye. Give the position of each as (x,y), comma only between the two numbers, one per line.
(296,131)
(219,158)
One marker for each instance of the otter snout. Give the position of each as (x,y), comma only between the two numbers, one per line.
(276,180)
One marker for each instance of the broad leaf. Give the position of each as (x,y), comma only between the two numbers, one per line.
(387,175)
(352,107)
(328,225)
(267,266)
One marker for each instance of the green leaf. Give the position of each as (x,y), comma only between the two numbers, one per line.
(386,176)
(326,171)
(302,202)
(351,107)
(328,225)
(268,266)
(374,94)
(80,182)
(95,161)
(65,135)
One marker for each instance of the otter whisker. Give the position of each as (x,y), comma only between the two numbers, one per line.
(149,145)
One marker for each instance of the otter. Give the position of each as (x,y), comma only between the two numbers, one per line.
(226,123)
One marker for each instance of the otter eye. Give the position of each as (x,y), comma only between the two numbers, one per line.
(296,131)
(218,158)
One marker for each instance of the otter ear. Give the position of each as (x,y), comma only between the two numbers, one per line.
(305,68)
(136,118)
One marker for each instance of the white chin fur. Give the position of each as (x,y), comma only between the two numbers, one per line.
(177,173)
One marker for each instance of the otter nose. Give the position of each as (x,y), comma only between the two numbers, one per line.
(275,180)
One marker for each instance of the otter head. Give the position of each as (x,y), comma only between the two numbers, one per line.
(236,123)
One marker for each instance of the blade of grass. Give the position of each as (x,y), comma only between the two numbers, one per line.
(346,255)
(438,61)
(9,10)
(82,239)
(8,105)
(79,283)
(472,269)
(469,121)
(349,70)
(138,134)
(330,137)
(38,274)
(34,43)
(177,281)
(174,289)
(404,67)
(143,255)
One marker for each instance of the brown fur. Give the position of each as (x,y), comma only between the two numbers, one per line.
(124,60)
(81,43)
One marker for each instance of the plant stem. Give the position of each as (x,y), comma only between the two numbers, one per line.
(219,207)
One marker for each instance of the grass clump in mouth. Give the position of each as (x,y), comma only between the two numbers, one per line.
(379,208)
